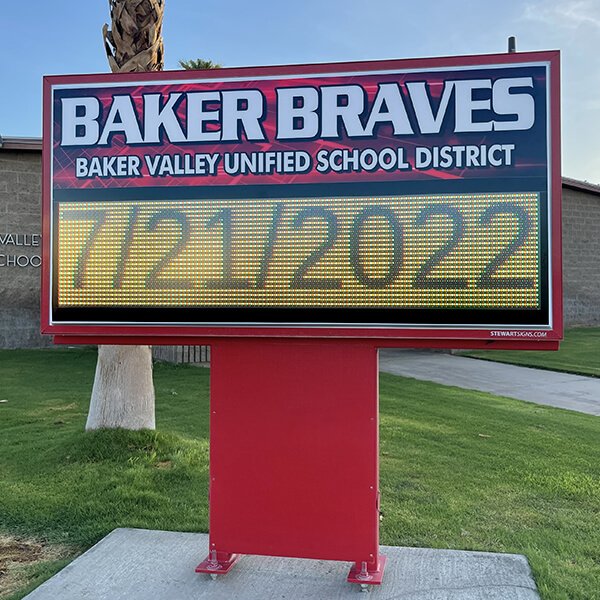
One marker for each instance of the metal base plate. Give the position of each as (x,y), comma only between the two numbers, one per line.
(357,575)
(218,567)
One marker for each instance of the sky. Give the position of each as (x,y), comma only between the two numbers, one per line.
(38,38)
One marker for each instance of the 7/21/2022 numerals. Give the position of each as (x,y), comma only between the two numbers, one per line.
(223,221)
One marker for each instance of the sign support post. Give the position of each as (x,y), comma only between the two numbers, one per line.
(294,446)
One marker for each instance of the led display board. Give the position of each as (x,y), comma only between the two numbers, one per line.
(397,199)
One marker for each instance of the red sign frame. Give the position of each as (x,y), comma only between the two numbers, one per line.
(505,336)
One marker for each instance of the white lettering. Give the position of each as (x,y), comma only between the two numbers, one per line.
(342,103)
(521,105)
(368,159)
(152,163)
(122,119)
(108,166)
(471,156)
(81,167)
(387,159)
(260,163)
(302,113)
(301,121)
(155,118)
(322,163)
(79,129)
(345,160)
(466,106)
(212,160)
(428,123)
(422,158)
(242,110)
(197,117)
(166,166)
(389,97)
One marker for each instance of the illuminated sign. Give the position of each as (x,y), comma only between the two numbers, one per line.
(388,199)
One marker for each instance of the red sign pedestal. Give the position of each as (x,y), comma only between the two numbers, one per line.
(294,446)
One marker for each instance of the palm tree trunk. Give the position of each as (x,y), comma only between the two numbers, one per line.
(135,41)
(123,392)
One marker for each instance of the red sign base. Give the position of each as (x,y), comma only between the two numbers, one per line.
(294,448)
(218,563)
(361,573)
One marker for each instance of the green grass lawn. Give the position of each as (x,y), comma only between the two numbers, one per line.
(579,353)
(459,469)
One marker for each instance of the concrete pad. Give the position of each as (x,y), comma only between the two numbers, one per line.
(551,388)
(138,564)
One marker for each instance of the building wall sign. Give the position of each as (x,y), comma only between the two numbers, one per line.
(403,199)
(12,245)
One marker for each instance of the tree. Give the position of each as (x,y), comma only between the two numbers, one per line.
(199,63)
(135,42)
(123,392)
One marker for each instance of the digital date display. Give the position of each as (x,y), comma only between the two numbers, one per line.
(440,252)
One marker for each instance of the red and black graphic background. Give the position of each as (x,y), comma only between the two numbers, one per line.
(529,156)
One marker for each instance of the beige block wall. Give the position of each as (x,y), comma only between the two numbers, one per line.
(581,257)
(20,249)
